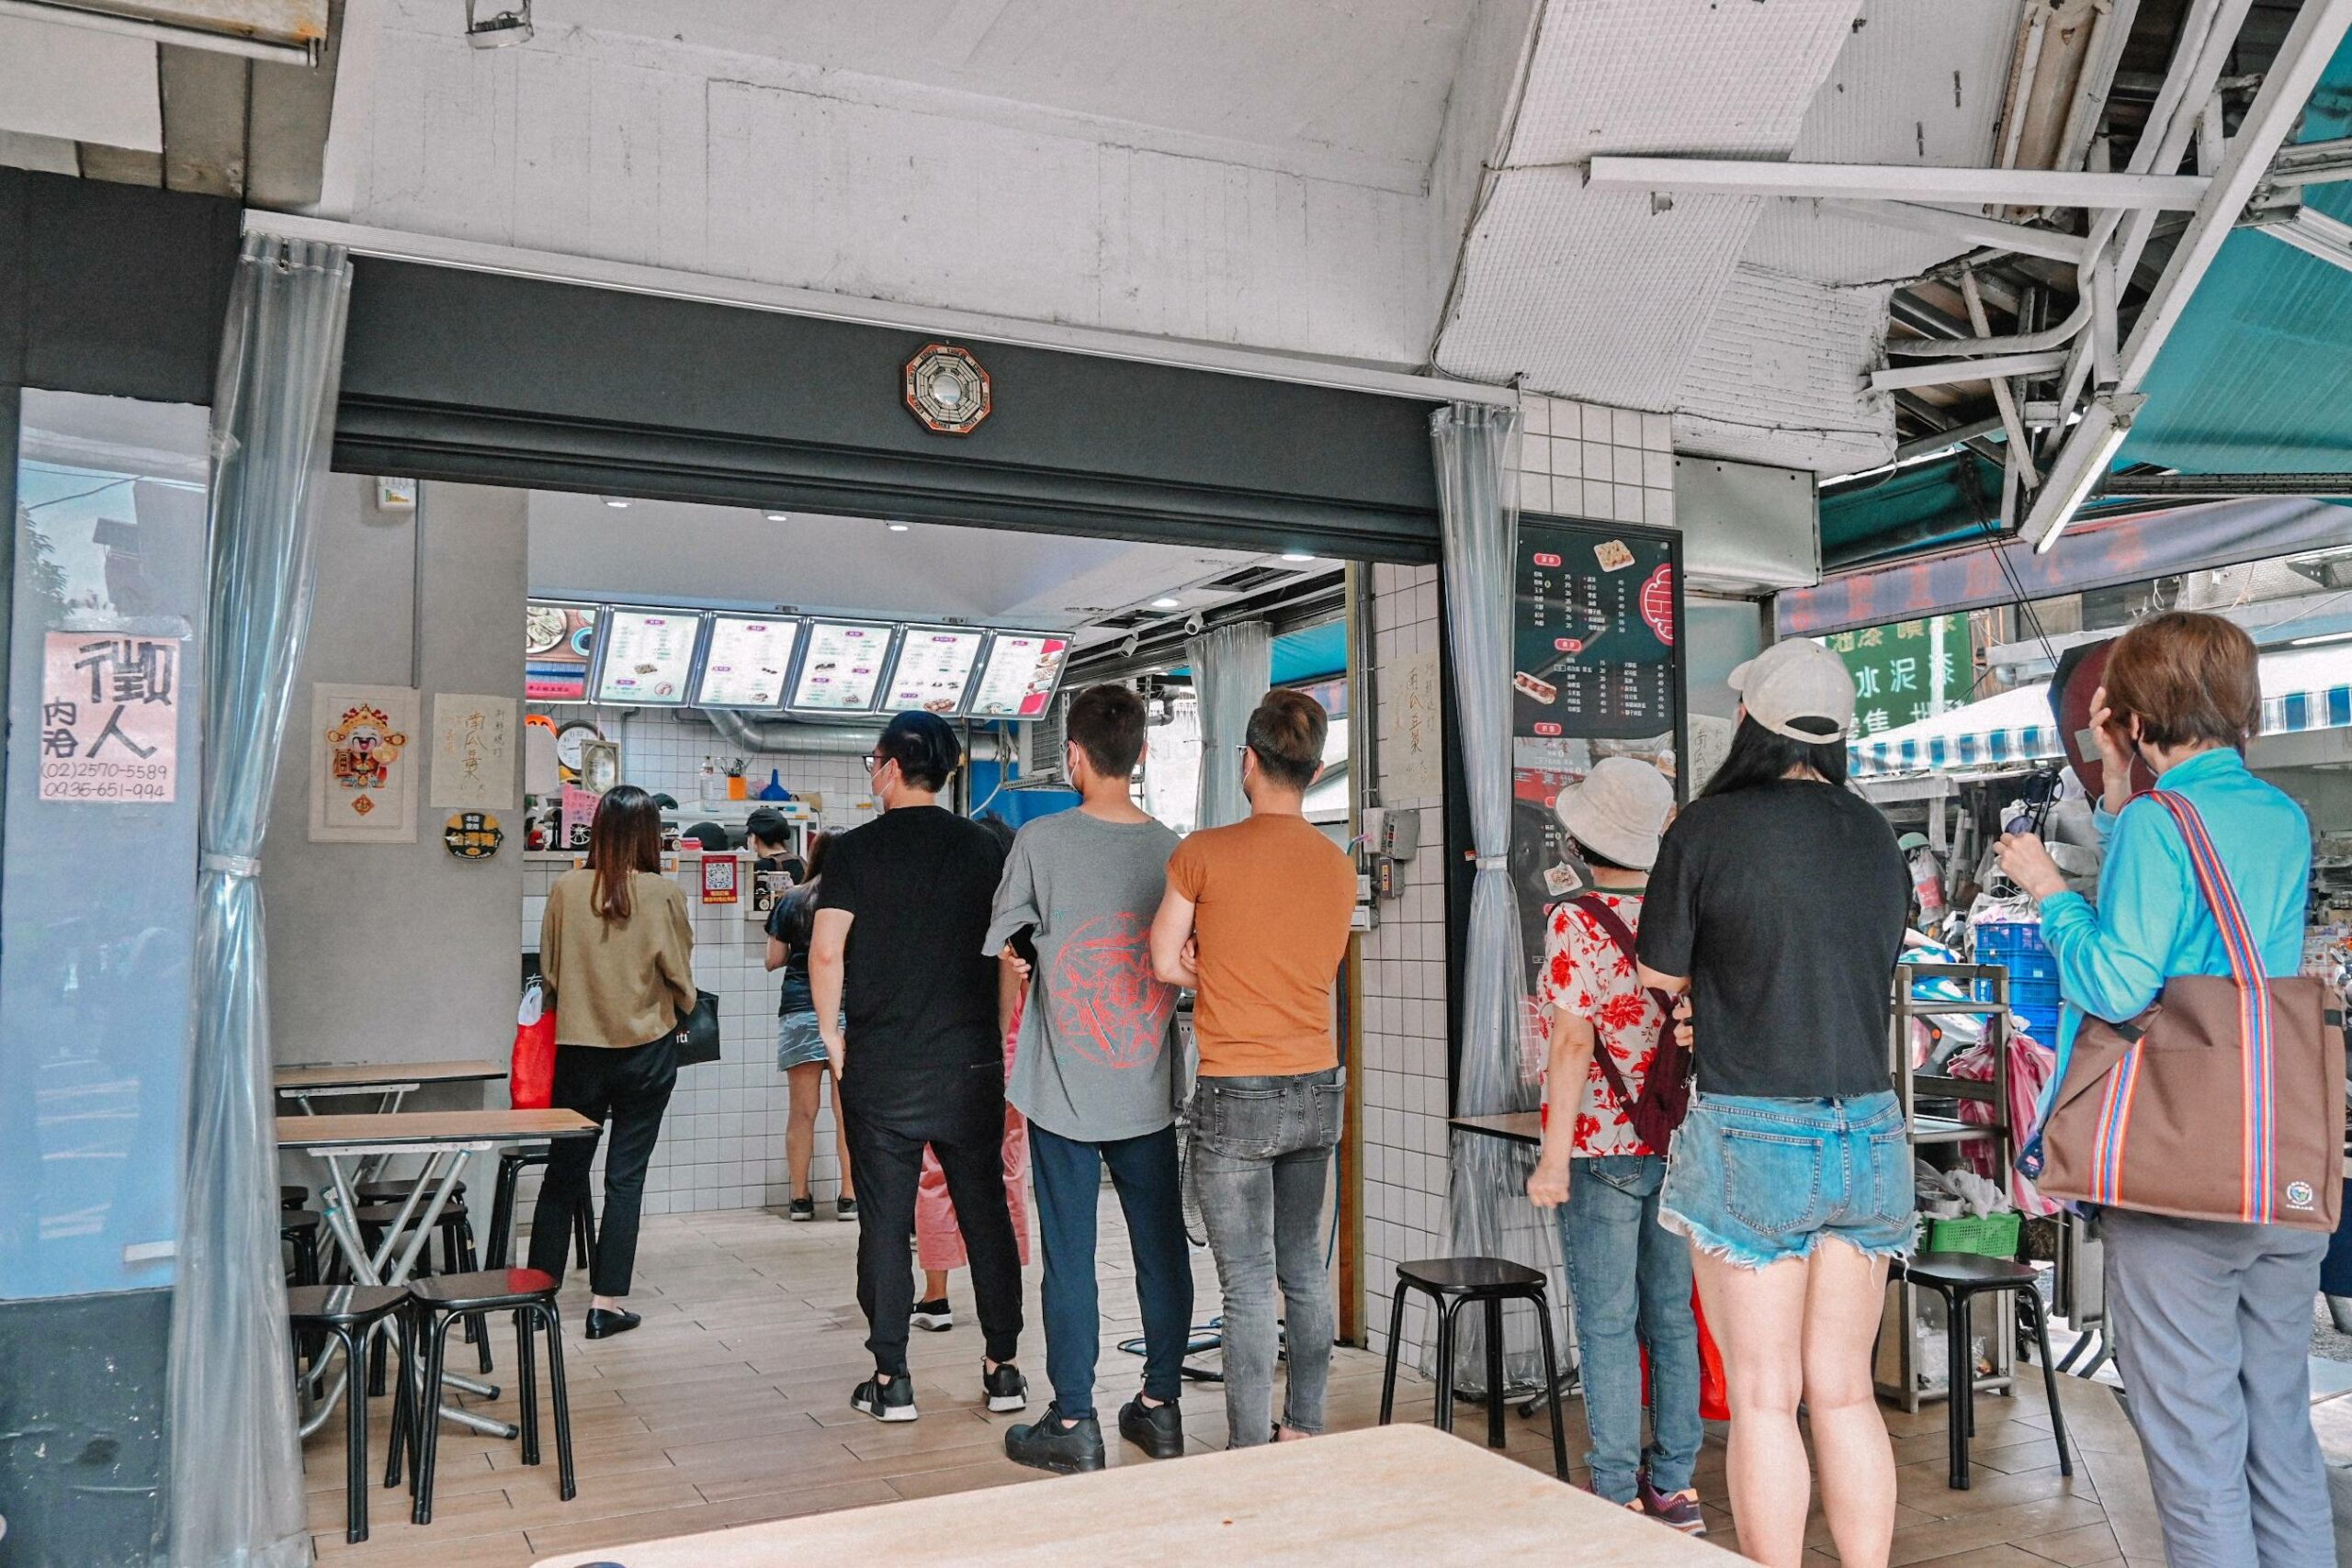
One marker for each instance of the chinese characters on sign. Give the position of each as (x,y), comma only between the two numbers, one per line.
(1906,671)
(109,718)
(473,751)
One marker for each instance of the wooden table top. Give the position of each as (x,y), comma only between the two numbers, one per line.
(1513,1126)
(359,1077)
(1405,1494)
(425,1127)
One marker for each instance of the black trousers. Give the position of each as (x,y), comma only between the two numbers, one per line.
(889,1165)
(629,1086)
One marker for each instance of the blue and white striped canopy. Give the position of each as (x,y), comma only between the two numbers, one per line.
(2301,688)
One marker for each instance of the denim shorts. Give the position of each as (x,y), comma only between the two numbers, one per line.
(1754,1180)
(797,1043)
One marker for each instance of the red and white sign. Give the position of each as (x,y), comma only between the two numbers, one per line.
(719,879)
(109,718)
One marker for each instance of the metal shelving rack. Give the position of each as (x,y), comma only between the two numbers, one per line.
(1987,988)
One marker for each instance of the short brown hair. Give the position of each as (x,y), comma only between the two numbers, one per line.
(1106,722)
(2187,677)
(624,836)
(1287,732)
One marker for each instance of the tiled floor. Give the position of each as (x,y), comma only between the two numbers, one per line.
(731,1405)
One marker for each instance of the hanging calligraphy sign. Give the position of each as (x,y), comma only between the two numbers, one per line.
(109,718)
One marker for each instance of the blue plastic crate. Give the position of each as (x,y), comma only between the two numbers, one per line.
(2016,948)
(2033,996)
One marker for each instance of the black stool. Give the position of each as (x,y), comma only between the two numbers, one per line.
(500,1251)
(1960,1277)
(298,1230)
(1452,1283)
(349,1314)
(290,1198)
(442,1301)
(457,1233)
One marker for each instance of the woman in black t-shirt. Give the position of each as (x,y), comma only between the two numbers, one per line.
(1779,900)
(799,1049)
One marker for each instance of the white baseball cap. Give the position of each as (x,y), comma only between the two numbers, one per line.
(1618,811)
(1798,689)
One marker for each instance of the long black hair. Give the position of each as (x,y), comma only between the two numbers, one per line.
(1760,756)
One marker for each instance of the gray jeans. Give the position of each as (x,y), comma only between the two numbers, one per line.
(2212,1324)
(1261,1153)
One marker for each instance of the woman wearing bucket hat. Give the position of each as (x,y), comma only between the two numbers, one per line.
(1630,1280)
(1777,901)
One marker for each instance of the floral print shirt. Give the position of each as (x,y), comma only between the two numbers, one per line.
(1585,975)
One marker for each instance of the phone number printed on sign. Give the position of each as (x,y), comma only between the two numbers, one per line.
(109,718)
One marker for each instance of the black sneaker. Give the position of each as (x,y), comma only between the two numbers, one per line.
(892,1401)
(1047,1444)
(933,1317)
(801,1209)
(1008,1390)
(844,1209)
(1157,1430)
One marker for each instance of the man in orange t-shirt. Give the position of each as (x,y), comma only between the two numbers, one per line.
(1255,922)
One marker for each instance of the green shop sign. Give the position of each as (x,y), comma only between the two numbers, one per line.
(1906,671)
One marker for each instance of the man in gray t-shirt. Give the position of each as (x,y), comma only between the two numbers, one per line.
(1094,1071)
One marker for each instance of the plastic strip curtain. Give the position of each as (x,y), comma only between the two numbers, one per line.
(236,1474)
(1488,1211)
(1232,666)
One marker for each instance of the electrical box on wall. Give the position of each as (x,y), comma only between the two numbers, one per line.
(1746,528)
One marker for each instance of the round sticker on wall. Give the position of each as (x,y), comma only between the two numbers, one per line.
(473,835)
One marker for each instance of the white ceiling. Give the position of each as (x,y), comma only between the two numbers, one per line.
(67,83)
(1362,77)
(676,552)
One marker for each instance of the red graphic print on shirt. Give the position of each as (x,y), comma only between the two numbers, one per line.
(1106,1000)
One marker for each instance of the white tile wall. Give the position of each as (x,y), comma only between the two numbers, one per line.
(1580,460)
(663,752)
(1404,1049)
(722,1138)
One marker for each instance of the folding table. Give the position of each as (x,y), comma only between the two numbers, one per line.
(446,1139)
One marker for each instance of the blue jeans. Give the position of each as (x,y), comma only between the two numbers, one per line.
(1261,1153)
(1630,1279)
(1068,1175)
(1755,1180)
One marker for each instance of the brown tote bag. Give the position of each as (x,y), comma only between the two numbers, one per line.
(2223,1101)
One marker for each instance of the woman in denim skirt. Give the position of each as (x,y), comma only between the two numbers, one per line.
(1777,901)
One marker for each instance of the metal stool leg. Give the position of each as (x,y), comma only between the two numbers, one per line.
(403,1401)
(1396,1343)
(527,1384)
(2030,1301)
(1494,1372)
(1961,1387)
(566,1484)
(428,1421)
(502,1214)
(354,1436)
(1551,1385)
(1444,1365)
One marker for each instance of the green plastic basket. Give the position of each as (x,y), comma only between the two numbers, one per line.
(1990,1235)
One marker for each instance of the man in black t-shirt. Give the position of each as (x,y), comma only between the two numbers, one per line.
(902,912)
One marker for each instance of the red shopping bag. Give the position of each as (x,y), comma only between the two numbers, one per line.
(530,1079)
(1714,1400)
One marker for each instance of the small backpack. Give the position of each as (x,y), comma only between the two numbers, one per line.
(1665,1099)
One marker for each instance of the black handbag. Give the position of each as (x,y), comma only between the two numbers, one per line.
(697,1037)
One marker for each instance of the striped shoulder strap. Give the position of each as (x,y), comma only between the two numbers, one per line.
(2258,1098)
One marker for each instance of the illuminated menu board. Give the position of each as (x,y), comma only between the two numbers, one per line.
(1020,675)
(558,642)
(841,672)
(746,662)
(648,656)
(935,669)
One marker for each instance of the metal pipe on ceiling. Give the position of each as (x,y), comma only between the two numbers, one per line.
(2225,487)
(771,735)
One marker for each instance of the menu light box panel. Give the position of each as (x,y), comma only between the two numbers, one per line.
(1018,679)
(648,656)
(746,663)
(933,670)
(559,646)
(841,666)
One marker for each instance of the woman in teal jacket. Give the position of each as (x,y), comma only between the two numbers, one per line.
(2212,1319)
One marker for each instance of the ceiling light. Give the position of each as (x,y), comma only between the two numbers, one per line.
(2315,641)
(1296,556)
(897,527)
(616,501)
(2096,441)
(1165,603)
(779,516)
(504,27)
